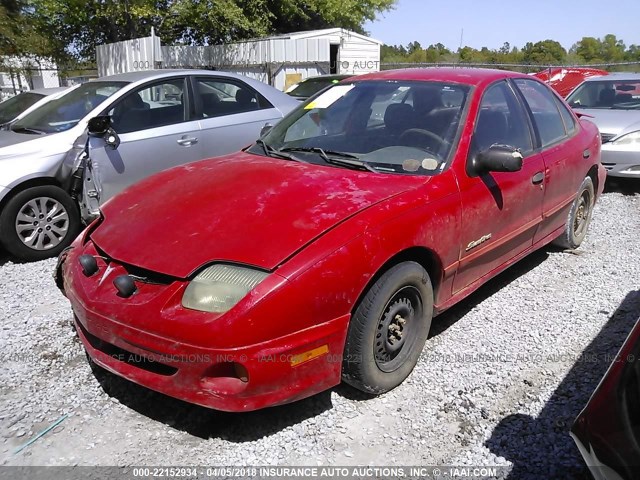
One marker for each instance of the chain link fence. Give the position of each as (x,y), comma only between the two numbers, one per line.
(517,67)
(15,80)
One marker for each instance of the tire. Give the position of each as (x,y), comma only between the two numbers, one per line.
(39,222)
(579,217)
(381,350)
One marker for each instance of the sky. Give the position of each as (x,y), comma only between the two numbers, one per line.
(490,23)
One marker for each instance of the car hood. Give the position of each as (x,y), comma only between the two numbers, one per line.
(14,144)
(8,138)
(613,122)
(241,208)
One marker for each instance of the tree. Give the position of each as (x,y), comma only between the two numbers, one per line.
(293,15)
(18,35)
(436,53)
(544,53)
(393,54)
(413,47)
(75,27)
(468,54)
(612,49)
(489,56)
(589,49)
(632,53)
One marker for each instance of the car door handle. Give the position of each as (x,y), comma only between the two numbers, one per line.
(537,178)
(187,142)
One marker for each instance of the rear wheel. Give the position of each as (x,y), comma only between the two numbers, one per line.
(388,329)
(39,222)
(578,218)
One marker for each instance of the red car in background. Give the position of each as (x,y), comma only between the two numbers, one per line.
(323,251)
(564,79)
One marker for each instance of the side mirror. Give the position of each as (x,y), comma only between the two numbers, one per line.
(498,158)
(100,127)
(265,129)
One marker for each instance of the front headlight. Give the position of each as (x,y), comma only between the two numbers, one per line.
(628,139)
(219,287)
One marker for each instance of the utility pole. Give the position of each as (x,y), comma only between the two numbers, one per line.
(460,47)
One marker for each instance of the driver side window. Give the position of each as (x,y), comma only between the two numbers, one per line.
(501,120)
(155,105)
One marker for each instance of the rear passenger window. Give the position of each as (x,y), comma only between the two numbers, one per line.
(151,106)
(219,96)
(567,117)
(544,107)
(501,121)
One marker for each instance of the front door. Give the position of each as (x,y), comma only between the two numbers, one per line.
(156,132)
(500,210)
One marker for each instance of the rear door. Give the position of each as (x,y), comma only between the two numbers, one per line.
(564,151)
(501,211)
(157,131)
(231,114)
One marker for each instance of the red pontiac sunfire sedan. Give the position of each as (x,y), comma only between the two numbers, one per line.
(323,251)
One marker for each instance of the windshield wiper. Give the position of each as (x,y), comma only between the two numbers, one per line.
(270,151)
(28,130)
(344,159)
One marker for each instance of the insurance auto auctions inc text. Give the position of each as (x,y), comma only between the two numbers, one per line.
(365,472)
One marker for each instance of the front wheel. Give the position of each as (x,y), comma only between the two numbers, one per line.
(579,217)
(39,222)
(388,329)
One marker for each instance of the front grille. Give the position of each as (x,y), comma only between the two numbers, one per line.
(606,137)
(124,356)
(608,166)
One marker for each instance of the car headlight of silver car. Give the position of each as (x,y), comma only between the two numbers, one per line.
(219,288)
(628,139)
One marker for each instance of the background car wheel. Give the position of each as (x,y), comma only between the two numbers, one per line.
(388,329)
(579,217)
(39,222)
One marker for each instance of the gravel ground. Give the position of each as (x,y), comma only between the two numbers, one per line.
(501,379)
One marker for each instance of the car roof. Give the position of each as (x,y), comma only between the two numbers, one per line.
(613,76)
(332,76)
(470,76)
(133,79)
(151,74)
(46,91)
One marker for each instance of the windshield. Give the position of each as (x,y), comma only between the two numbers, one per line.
(10,109)
(311,86)
(65,112)
(386,126)
(607,94)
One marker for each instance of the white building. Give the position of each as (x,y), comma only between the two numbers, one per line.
(18,74)
(279,60)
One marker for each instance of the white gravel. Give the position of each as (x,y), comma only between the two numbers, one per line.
(499,383)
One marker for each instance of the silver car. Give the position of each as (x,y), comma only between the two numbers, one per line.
(25,102)
(614,103)
(163,118)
